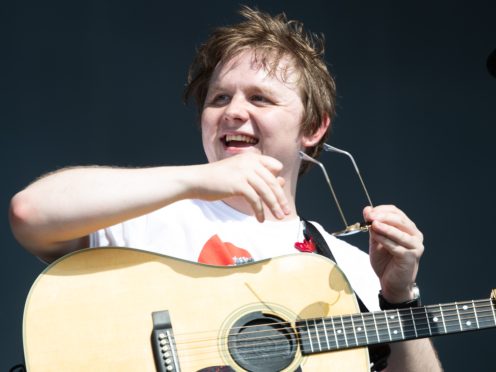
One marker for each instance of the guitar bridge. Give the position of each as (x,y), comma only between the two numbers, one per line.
(163,344)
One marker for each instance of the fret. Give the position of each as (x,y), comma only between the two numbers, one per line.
(317,334)
(326,334)
(413,322)
(360,330)
(382,326)
(354,330)
(434,320)
(376,329)
(459,319)
(420,323)
(394,325)
(342,331)
(365,330)
(309,335)
(349,331)
(475,314)
(313,336)
(339,332)
(485,313)
(449,314)
(427,318)
(467,316)
(407,323)
(322,329)
(400,323)
(387,325)
(335,333)
(442,318)
(370,328)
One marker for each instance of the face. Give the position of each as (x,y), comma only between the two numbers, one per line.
(247,110)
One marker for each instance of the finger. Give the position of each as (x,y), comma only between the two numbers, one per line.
(366,211)
(398,221)
(392,215)
(286,208)
(255,202)
(407,256)
(369,211)
(391,246)
(272,164)
(398,237)
(266,194)
(276,199)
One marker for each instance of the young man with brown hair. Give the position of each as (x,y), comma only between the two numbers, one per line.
(264,93)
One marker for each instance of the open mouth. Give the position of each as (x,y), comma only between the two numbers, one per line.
(239,140)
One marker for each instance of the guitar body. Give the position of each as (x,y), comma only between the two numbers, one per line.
(92,310)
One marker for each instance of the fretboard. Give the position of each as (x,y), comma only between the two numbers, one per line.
(362,329)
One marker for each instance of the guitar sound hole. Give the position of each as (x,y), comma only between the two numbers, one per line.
(262,343)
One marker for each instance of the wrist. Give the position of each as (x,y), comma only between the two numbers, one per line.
(402,293)
(193,181)
(412,299)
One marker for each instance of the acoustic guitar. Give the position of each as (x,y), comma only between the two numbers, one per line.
(121,309)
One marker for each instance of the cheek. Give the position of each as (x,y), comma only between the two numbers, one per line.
(287,124)
(208,135)
(207,119)
(205,125)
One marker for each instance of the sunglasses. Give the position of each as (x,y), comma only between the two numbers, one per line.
(349,229)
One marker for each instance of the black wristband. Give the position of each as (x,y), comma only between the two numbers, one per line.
(386,305)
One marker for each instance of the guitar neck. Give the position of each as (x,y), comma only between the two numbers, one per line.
(363,329)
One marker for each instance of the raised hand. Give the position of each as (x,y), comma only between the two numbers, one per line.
(396,246)
(252,176)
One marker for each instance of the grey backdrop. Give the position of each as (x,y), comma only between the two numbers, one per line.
(100,82)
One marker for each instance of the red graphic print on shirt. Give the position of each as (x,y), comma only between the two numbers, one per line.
(217,252)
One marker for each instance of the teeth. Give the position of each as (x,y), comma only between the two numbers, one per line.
(240,138)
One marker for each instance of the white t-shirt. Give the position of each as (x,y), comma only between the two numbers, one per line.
(215,233)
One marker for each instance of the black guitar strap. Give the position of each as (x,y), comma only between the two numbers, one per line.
(378,353)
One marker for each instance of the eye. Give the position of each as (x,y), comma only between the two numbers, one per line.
(260,98)
(219,100)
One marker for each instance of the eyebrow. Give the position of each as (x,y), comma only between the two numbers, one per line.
(266,89)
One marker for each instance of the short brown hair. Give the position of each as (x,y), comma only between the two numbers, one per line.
(271,38)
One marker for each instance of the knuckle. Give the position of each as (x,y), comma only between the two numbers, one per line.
(421,236)
(421,249)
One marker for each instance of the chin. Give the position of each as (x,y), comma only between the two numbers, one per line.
(230,151)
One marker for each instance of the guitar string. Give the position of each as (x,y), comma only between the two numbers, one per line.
(358,339)
(404,312)
(274,351)
(380,323)
(259,353)
(447,322)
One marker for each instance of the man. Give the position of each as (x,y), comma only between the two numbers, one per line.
(264,93)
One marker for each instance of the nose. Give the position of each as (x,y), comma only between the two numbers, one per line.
(237,110)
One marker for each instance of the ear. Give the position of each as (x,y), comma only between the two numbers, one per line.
(314,138)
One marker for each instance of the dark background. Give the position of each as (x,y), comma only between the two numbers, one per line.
(100,82)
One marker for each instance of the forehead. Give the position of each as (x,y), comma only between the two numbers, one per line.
(267,66)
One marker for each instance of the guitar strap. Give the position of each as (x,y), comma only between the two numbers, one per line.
(378,353)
